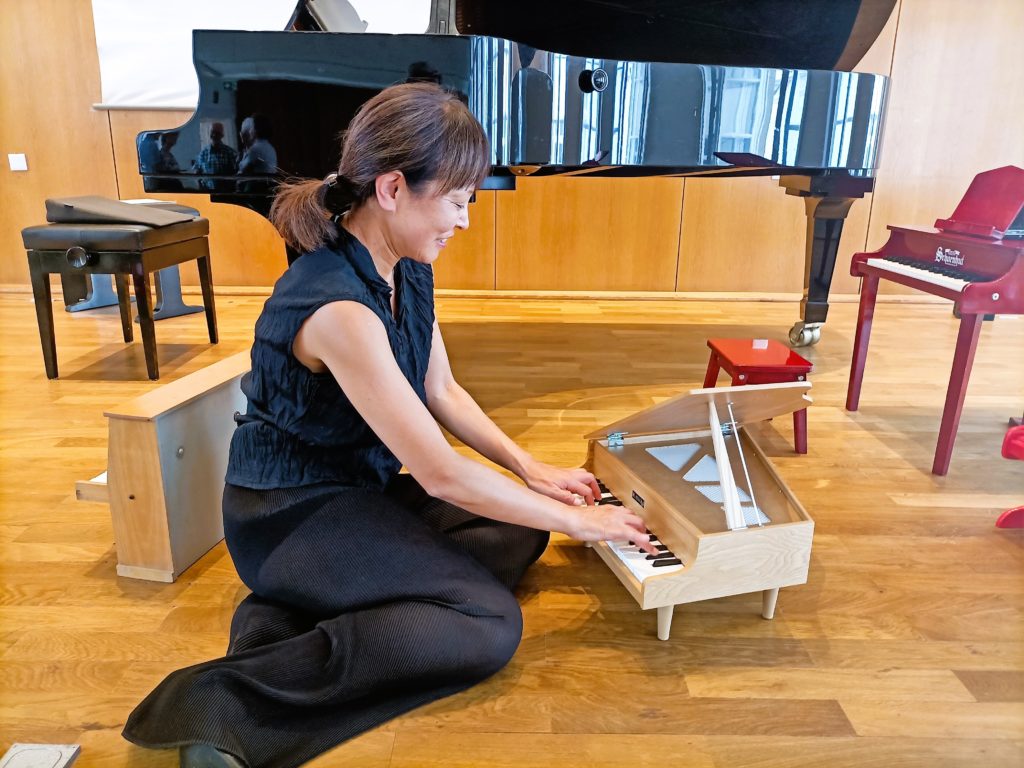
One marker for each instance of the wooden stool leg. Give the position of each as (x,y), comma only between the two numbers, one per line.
(868,293)
(206,283)
(963,359)
(711,376)
(44,317)
(800,430)
(145,307)
(124,303)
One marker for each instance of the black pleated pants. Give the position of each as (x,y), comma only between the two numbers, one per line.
(364,605)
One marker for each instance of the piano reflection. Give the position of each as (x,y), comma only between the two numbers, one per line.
(724,521)
(975,258)
(579,88)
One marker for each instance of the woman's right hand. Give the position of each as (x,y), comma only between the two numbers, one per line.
(610,522)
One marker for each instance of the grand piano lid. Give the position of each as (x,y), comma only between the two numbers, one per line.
(751,403)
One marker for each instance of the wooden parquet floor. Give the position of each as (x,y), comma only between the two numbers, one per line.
(905,647)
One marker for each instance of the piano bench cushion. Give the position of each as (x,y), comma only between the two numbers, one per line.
(111,237)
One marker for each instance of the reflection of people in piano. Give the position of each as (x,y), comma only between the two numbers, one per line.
(531,110)
(216,159)
(372,592)
(258,156)
(166,161)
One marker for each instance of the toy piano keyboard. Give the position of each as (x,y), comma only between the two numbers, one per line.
(725,522)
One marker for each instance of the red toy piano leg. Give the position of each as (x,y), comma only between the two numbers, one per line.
(800,430)
(711,377)
(865,314)
(963,359)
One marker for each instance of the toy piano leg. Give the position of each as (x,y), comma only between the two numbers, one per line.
(1011,518)
(768,599)
(169,302)
(664,621)
(100,294)
(865,314)
(963,359)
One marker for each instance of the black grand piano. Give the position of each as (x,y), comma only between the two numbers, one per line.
(582,88)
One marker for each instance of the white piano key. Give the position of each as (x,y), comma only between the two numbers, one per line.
(923,275)
(635,559)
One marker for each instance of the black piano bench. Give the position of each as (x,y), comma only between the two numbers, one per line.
(121,250)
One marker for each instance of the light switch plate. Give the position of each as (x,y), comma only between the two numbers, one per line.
(40,755)
(18,162)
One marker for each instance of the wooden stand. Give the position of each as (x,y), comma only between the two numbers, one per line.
(167,456)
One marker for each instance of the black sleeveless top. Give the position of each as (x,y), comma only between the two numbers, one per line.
(299,428)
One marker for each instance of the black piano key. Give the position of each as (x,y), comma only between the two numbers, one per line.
(661,547)
(660,556)
(662,563)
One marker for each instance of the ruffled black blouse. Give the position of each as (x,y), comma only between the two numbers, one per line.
(299,428)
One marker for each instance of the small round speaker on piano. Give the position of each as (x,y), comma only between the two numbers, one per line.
(593,80)
(78,257)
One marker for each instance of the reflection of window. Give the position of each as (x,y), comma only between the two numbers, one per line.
(590,131)
(629,120)
(792,106)
(846,102)
(746,94)
(491,57)
(559,64)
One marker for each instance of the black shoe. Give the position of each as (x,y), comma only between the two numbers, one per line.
(205,756)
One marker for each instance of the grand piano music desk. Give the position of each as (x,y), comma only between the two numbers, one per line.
(725,520)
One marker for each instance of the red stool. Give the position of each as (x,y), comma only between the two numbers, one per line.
(760,361)
(1013,448)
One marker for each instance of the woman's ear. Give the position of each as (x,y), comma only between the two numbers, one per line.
(388,187)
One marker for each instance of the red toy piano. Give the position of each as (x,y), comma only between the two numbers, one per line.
(974,258)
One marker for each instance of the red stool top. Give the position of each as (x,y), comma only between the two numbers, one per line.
(760,355)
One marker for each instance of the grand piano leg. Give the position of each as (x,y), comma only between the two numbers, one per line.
(664,621)
(825,218)
(963,359)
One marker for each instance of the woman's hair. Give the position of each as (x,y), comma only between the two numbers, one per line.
(420,129)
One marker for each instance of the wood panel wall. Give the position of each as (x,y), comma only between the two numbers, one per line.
(951,114)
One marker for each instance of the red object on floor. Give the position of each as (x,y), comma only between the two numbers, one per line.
(1013,448)
(760,361)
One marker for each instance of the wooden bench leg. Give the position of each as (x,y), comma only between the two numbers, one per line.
(206,283)
(44,317)
(145,307)
(124,303)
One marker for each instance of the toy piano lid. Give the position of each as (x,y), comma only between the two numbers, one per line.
(751,403)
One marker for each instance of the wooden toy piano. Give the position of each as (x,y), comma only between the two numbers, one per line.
(725,521)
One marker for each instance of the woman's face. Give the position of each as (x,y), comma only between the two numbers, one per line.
(424,222)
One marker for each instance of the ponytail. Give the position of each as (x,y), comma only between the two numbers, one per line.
(303,210)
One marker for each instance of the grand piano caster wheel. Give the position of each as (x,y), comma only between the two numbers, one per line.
(803,335)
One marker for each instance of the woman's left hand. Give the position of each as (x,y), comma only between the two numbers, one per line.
(564,485)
